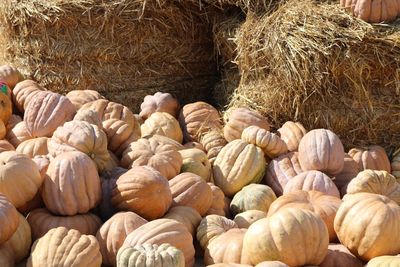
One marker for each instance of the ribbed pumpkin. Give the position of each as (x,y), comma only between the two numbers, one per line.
(395,166)
(324,205)
(18,134)
(312,180)
(144,191)
(373,11)
(373,158)
(21,241)
(291,133)
(218,201)
(338,255)
(6,256)
(19,178)
(165,141)
(162,157)
(41,221)
(237,165)
(368,225)
(80,97)
(10,75)
(211,227)
(189,189)
(213,142)
(281,170)
(252,197)
(272,238)
(72,184)
(148,255)
(226,248)
(272,145)
(164,231)
(195,161)
(196,145)
(350,170)
(247,218)
(9,219)
(162,123)
(73,249)
(34,147)
(186,215)
(3,130)
(120,134)
(90,116)
(24,92)
(113,232)
(198,118)
(387,261)
(6,146)
(81,136)
(159,102)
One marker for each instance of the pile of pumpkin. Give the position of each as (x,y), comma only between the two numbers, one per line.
(85,182)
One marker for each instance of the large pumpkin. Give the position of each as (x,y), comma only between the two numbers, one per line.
(195,161)
(24,92)
(252,197)
(272,238)
(113,232)
(162,231)
(368,225)
(72,184)
(272,145)
(159,102)
(144,191)
(386,261)
(350,170)
(9,219)
(373,11)
(89,115)
(6,256)
(186,215)
(34,147)
(10,75)
(373,158)
(18,134)
(291,133)
(80,97)
(247,218)
(218,201)
(162,123)
(338,255)
(19,178)
(213,142)
(21,241)
(73,249)
(211,227)
(237,165)
(120,134)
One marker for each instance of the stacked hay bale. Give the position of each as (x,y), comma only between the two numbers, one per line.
(125,49)
(257,6)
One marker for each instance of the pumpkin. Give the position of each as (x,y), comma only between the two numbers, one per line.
(144,191)
(211,227)
(252,197)
(368,225)
(20,242)
(35,203)
(213,142)
(113,232)
(165,141)
(72,184)
(372,10)
(272,264)
(3,130)
(10,75)
(338,255)
(281,170)
(291,133)
(226,248)
(162,231)
(159,102)
(218,201)
(350,170)
(24,92)
(164,158)
(9,219)
(42,162)
(80,97)
(18,134)
(395,166)
(73,249)
(90,116)
(196,161)
(229,265)
(237,165)
(6,256)
(387,261)
(324,205)
(312,180)
(196,145)
(5,102)
(120,134)
(321,150)
(34,147)
(270,143)
(81,136)
(162,123)
(186,215)
(41,221)
(373,158)
(19,178)
(6,146)
(272,238)
(45,112)
(247,218)
(198,118)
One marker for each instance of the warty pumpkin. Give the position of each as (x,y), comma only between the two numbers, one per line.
(120,134)
(373,11)
(186,215)
(338,255)
(6,146)
(387,261)
(350,170)
(373,158)
(24,92)
(211,227)
(162,123)
(9,219)
(272,145)
(34,147)
(291,133)
(218,201)
(247,218)
(195,161)
(252,197)
(21,241)
(90,116)
(18,134)
(10,75)
(80,97)
(213,142)
(6,256)
(159,102)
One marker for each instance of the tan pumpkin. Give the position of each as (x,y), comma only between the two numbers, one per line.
(387,261)
(144,191)
(281,170)
(395,166)
(186,215)
(196,145)
(312,180)
(6,146)
(162,123)
(291,133)
(19,178)
(338,255)
(113,232)
(272,238)
(373,158)
(41,221)
(90,116)
(218,201)
(42,162)
(164,158)
(211,227)
(73,249)
(213,142)
(10,75)
(252,197)
(81,136)
(34,147)
(24,92)
(324,205)
(14,119)
(247,218)
(368,225)
(350,170)
(226,248)
(159,102)
(162,231)
(120,134)
(21,241)
(373,11)
(72,184)
(321,150)
(9,219)
(3,130)
(198,118)
(196,161)
(80,97)
(272,145)
(6,256)
(165,141)
(46,112)
(237,165)
(18,134)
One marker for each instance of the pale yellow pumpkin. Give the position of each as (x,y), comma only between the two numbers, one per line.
(252,197)
(195,161)
(34,147)
(272,145)
(162,123)
(211,227)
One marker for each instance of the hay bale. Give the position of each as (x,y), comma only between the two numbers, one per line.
(317,64)
(256,6)
(124,49)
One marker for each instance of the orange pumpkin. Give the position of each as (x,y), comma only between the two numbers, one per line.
(247,218)
(3,130)
(9,219)
(21,241)
(34,147)
(218,201)
(18,134)
(80,97)
(211,227)
(373,158)
(272,145)
(373,11)
(120,134)
(162,123)
(5,102)
(24,92)
(186,215)
(159,102)
(6,146)
(291,133)
(10,75)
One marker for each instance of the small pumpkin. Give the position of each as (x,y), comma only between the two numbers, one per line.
(291,133)
(159,102)
(252,197)
(213,142)
(272,145)
(218,201)
(80,97)
(350,170)
(18,134)
(338,255)
(373,11)
(247,218)
(120,134)
(34,147)
(9,219)
(162,123)
(387,261)
(373,158)
(24,92)
(21,241)
(88,115)
(10,75)
(6,256)
(6,146)
(196,161)
(211,227)
(186,215)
